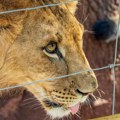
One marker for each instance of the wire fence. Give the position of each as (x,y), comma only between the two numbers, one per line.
(115,58)
(110,66)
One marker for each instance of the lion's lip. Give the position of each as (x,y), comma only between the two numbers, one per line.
(49,103)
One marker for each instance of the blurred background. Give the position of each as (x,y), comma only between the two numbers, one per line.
(100,18)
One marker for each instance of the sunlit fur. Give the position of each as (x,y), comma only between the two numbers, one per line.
(23,35)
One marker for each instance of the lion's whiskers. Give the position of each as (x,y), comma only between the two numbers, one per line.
(89,100)
(47,117)
(29,102)
(79,112)
(89,31)
(85,19)
(101,91)
(82,13)
(95,97)
(78,115)
(31,98)
(36,105)
(33,102)
(70,116)
(88,103)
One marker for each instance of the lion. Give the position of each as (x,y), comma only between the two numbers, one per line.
(41,44)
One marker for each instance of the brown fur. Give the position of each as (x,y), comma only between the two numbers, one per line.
(22,37)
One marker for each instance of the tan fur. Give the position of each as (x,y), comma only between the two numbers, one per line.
(22,37)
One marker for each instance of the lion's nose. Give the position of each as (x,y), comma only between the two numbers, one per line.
(86,88)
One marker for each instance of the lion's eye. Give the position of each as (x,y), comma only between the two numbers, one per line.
(51,47)
(52,50)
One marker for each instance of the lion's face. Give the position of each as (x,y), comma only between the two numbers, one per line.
(48,44)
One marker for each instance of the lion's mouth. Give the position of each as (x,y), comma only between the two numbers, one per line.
(63,103)
(49,103)
(73,109)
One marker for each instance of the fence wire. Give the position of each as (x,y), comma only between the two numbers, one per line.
(38,7)
(60,77)
(115,58)
(111,66)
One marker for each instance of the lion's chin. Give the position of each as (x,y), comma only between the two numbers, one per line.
(58,113)
(55,110)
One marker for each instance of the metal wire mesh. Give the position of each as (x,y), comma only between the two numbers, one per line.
(111,66)
(115,58)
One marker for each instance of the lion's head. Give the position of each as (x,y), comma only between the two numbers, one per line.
(41,44)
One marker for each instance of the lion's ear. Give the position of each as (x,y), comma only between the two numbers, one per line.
(72,6)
